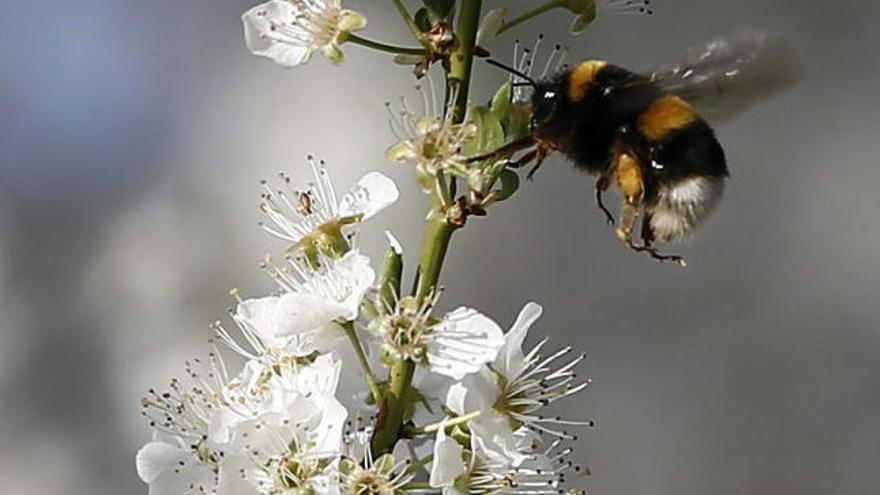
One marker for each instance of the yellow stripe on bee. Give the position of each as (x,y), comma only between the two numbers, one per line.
(665,115)
(629,176)
(581,77)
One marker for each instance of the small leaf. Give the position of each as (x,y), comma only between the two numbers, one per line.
(423,20)
(517,124)
(439,10)
(509,184)
(489,134)
(404,59)
(500,104)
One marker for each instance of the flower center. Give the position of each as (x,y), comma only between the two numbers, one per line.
(323,25)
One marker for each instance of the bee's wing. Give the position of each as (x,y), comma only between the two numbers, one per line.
(729,75)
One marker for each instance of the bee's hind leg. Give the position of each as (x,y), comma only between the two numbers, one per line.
(602,184)
(647,244)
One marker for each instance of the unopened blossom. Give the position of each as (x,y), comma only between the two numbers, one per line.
(290,31)
(182,458)
(514,388)
(313,303)
(457,344)
(430,140)
(313,220)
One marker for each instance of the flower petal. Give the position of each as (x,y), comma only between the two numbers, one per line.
(258,33)
(372,194)
(448,464)
(491,23)
(511,359)
(299,312)
(171,470)
(464,341)
(493,436)
(354,268)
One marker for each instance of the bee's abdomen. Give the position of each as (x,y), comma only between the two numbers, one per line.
(681,143)
(686,171)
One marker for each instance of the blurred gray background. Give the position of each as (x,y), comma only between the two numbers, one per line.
(132,138)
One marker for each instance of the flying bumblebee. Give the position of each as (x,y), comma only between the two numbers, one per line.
(645,135)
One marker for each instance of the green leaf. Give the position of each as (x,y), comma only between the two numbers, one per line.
(517,124)
(439,10)
(500,104)
(489,135)
(423,20)
(509,184)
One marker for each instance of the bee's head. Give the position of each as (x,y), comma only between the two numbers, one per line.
(548,102)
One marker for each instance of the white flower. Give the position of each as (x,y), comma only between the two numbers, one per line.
(313,219)
(285,428)
(289,31)
(512,390)
(383,476)
(306,314)
(182,459)
(460,471)
(432,142)
(455,345)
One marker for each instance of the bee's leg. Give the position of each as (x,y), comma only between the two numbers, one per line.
(506,151)
(523,160)
(601,186)
(540,154)
(647,247)
(628,172)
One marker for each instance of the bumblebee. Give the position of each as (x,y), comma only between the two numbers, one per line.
(644,134)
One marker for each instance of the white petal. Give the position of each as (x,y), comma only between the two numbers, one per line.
(354,268)
(448,464)
(172,470)
(393,242)
(511,360)
(475,392)
(372,194)
(155,458)
(258,314)
(258,34)
(464,341)
(494,438)
(299,312)
(491,23)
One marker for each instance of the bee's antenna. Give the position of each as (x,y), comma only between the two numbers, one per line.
(513,71)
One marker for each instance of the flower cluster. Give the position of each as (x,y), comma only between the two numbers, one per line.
(338,382)
(283,424)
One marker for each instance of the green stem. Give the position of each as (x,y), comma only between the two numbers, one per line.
(390,420)
(377,45)
(372,381)
(541,9)
(438,233)
(418,485)
(411,23)
(461,60)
